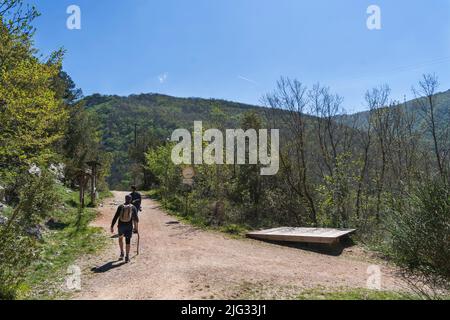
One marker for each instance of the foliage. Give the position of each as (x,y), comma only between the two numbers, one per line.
(155,117)
(69,238)
(168,175)
(39,196)
(367,171)
(32,118)
(42,123)
(420,229)
(337,196)
(333,173)
(17,250)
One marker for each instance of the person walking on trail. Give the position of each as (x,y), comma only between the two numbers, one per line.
(136,198)
(127,216)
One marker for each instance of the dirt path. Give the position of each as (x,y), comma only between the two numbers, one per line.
(181,262)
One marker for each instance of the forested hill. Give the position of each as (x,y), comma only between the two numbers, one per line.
(168,112)
(154,116)
(415,109)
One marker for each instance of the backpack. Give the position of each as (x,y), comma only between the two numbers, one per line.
(126,213)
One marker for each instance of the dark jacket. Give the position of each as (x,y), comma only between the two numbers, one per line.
(136,199)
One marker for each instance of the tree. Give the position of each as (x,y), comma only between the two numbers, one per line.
(249,181)
(380,118)
(168,174)
(17,17)
(289,103)
(334,159)
(33,118)
(426,98)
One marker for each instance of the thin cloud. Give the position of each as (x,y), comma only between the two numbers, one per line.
(247,79)
(163,77)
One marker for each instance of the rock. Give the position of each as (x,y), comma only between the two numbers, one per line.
(2,193)
(3,220)
(35,170)
(3,207)
(35,232)
(58,171)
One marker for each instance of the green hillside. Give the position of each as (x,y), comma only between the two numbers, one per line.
(155,117)
(414,108)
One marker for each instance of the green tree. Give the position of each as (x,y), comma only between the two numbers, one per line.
(32,117)
(168,174)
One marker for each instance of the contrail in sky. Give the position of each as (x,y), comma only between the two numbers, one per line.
(247,79)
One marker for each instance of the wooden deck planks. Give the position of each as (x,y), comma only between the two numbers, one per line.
(307,235)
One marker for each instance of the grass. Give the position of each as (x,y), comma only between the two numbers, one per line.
(353,294)
(263,291)
(69,238)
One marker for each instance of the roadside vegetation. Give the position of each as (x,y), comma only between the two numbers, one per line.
(384,173)
(46,138)
(67,237)
(37,249)
(355,294)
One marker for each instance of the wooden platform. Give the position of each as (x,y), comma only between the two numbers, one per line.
(307,235)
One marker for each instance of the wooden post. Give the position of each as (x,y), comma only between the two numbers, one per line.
(93,165)
(82,179)
(81,194)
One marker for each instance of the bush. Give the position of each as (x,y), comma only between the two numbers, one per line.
(38,198)
(234,229)
(17,250)
(420,243)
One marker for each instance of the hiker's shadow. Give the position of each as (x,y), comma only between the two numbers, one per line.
(108,266)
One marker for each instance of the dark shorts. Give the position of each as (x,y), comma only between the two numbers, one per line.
(127,232)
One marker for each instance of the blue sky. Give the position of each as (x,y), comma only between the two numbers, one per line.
(237,49)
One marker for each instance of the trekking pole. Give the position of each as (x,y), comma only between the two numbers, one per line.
(137,248)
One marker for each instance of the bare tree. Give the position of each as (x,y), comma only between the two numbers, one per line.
(291,97)
(366,142)
(327,107)
(380,118)
(405,155)
(426,98)
(334,136)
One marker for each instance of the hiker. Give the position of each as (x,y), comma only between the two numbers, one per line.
(136,198)
(127,216)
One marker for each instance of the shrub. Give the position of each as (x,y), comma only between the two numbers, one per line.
(17,250)
(420,243)
(38,198)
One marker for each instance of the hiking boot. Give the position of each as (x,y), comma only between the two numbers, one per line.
(127,259)
(121,256)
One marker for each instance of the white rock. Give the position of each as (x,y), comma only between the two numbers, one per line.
(3,220)
(35,170)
